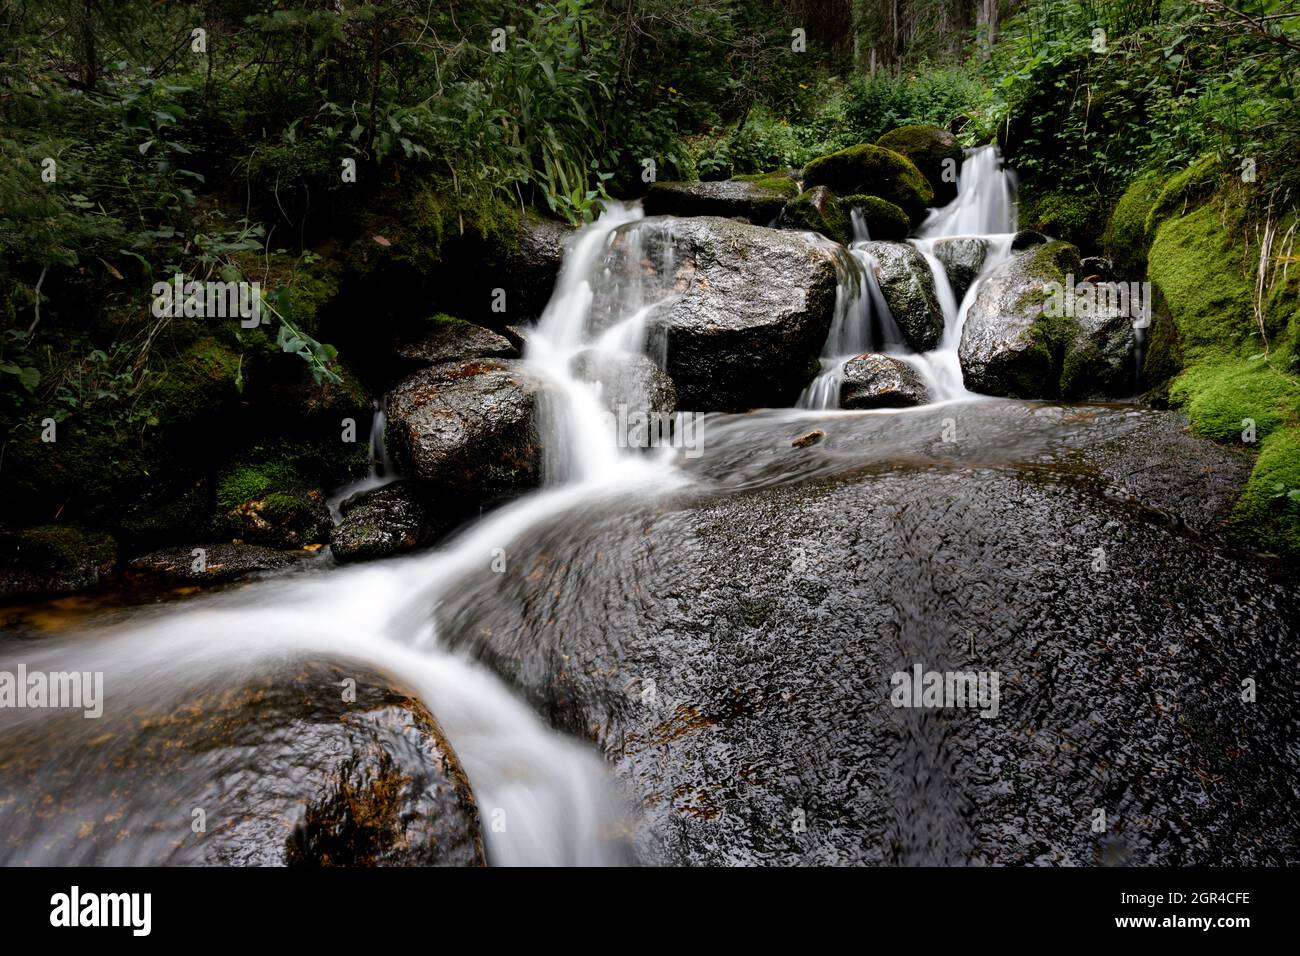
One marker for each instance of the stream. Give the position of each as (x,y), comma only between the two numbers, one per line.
(764,593)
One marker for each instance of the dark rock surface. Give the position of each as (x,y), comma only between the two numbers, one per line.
(759,201)
(284,770)
(219,563)
(962,258)
(880,381)
(386,521)
(908,286)
(447,339)
(733,652)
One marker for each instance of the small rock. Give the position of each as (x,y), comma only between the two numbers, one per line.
(385,521)
(881,381)
(808,438)
(217,564)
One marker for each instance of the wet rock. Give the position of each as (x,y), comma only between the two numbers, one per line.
(217,563)
(758,200)
(908,286)
(881,381)
(53,559)
(1026,238)
(446,339)
(1096,269)
(808,438)
(284,770)
(745,309)
(817,210)
(386,521)
(1100,358)
(934,151)
(542,243)
(743,679)
(468,429)
(873,171)
(1009,346)
(962,258)
(631,381)
(883,220)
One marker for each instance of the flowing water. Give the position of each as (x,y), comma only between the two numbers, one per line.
(985,208)
(555,791)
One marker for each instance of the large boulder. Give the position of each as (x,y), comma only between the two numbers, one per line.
(908,287)
(542,244)
(873,171)
(880,381)
(757,199)
(1032,333)
(745,309)
(818,210)
(935,152)
(382,522)
(444,338)
(962,257)
(1009,342)
(280,768)
(468,429)
(733,654)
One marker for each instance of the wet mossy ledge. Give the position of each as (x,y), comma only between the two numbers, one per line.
(1223,347)
(224,436)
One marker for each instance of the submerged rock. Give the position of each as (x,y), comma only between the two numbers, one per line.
(217,563)
(758,200)
(468,429)
(279,768)
(881,381)
(962,257)
(741,681)
(744,310)
(908,287)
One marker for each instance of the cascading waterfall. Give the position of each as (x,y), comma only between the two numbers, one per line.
(985,208)
(382,470)
(555,793)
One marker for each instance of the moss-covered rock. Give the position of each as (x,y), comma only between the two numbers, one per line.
(1126,239)
(818,210)
(757,199)
(883,219)
(874,171)
(1183,191)
(1268,511)
(934,151)
(1076,218)
(53,559)
(267,497)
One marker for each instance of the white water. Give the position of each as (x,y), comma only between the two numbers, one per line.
(985,208)
(382,470)
(559,804)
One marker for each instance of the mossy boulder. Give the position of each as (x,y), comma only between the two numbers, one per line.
(882,219)
(1126,239)
(1268,512)
(934,151)
(818,210)
(268,501)
(758,199)
(874,171)
(53,559)
(1077,218)
(1183,191)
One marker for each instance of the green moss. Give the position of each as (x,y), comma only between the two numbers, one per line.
(1198,263)
(1220,395)
(818,210)
(780,183)
(195,384)
(928,147)
(874,171)
(1183,191)
(245,482)
(1266,514)
(1126,239)
(884,220)
(1074,217)
(67,548)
